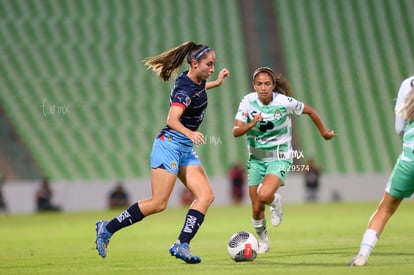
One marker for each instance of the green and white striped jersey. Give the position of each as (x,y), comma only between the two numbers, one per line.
(406,128)
(272,137)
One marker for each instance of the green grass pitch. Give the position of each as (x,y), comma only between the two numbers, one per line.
(312,239)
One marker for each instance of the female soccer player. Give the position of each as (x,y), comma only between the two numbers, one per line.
(173,154)
(401,182)
(264,116)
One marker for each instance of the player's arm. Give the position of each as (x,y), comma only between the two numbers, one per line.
(173,121)
(220,79)
(400,122)
(240,128)
(325,133)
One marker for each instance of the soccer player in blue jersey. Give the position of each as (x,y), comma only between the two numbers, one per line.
(401,182)
(265,117)
(173,152)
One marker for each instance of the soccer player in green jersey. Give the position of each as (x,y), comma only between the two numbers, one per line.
(401,182)
(264,116)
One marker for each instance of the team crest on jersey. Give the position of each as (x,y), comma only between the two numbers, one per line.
(174,165)
(170,138)
(278,115)
(187,101)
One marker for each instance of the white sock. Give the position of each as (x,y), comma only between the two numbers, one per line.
(259,226)
(368,242)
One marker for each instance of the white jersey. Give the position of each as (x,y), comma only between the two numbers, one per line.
(271,138)
(401,125)
(403,92)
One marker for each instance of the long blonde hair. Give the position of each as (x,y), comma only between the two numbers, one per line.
(407,109)
(167,63)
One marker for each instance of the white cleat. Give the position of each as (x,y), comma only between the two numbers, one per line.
(276,210)
(359,260)
(263,246)
(263,242)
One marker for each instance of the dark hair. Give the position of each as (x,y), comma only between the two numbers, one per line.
(168,62)
(282,84)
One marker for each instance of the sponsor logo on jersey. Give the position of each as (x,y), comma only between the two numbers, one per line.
(299,106)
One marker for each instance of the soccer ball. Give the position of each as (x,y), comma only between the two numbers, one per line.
(242,247)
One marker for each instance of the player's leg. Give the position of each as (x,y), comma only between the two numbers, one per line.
(162,183)
(399,186)
(258,219)
(268,195)
(196,180)
(383,213)
(163,177)
(256,172)
(275,175)
(377,222)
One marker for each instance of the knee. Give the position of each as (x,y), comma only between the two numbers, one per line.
(161,207)
(206,198)
(264,197)
(212,197)
(209,198)
(158,206)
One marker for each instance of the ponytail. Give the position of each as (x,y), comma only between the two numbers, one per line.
(167,63)
(283,85)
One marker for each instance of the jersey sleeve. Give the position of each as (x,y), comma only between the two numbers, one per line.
(403,92)
(243,110)
(181,98)
(294,106)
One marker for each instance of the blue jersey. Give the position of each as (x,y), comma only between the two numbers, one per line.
(193,99)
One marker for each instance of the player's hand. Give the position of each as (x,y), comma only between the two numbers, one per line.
(197,138)
(257,118)
(329,134)
(219,81)
(222,75)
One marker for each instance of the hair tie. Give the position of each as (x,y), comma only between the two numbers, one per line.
(267,70)
(200,54)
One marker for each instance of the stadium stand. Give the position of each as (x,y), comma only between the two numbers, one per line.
(78,95)
(347,59)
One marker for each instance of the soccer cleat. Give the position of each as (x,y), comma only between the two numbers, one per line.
(102,238)
(359,260)
(182,251)
(263,242)
(276,210)
(263,247)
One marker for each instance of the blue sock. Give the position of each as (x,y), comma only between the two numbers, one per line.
(130,216)
(192,223)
